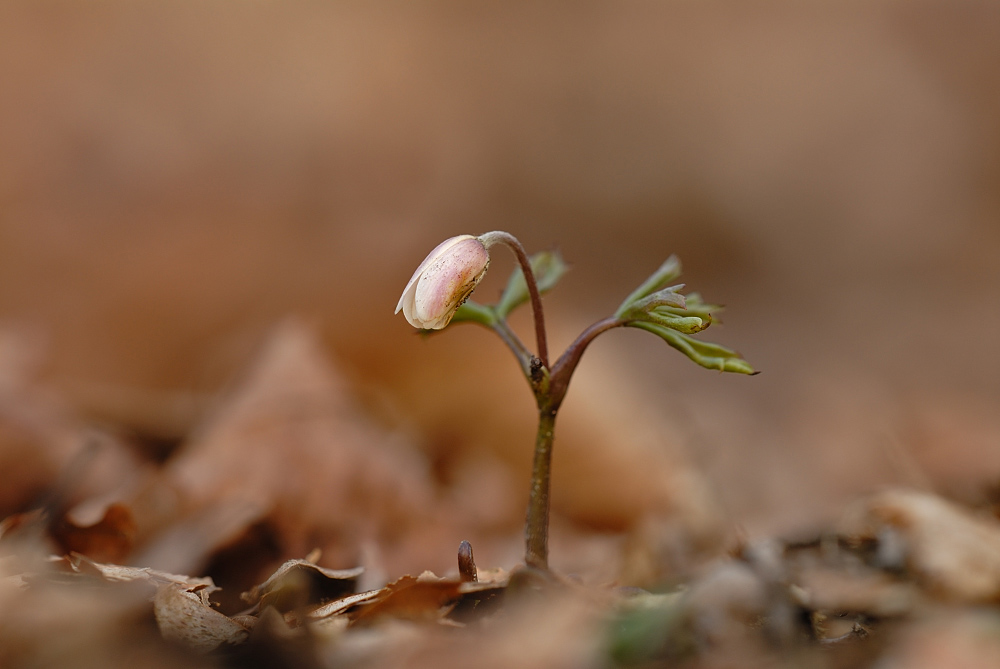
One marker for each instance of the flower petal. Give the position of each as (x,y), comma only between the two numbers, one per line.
(447,281)
(433,255)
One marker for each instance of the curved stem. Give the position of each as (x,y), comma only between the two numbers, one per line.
(564,367)
(500,237)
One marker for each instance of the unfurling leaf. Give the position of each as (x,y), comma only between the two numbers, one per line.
(548,267)
(658,280)
(667,308)
(706,354)
(685,324)
(668,297)
(695,306)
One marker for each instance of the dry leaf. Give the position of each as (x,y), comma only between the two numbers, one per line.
(121,573)
(954,553)
(869,592)
(184,616)
(425,597)
(108,540)
(46,451)
(19,524)
(952,639)
(300,582)
(291,442)
(59,616)
(341,605)
(186,544)
(412,598)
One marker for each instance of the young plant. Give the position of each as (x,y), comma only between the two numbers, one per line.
(437,295)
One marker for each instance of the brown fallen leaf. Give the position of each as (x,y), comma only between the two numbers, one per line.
(46,451)
(563,628)
(341,605)
(411,598)
(184,616)
(120,573)
(426,597)
(953,639)
(19,525)
(109,540)
(61,611)
(954,553)
(299,583)
(291,443)
(869,592)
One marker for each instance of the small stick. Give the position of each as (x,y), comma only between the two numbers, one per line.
(466,563)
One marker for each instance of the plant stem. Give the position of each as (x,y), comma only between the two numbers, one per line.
(549,386)
(509,240)
(550,397)
(536,527)
(508,337)
(564,367)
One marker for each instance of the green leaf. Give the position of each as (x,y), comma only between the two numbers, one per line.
(474,312)
(661,299)
(695,306)
(706,354)
(547,266)
(658,280)
(685,324)
(668,297)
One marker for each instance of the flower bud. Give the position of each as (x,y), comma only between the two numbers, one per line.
(443,281)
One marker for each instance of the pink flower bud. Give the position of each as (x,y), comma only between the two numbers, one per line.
(444,280)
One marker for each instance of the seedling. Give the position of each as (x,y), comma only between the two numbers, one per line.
(438,295)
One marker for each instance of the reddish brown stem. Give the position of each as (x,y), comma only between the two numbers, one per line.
(511,242)
(536,526)
(562,370)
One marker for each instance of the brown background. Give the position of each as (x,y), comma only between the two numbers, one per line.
(175,178)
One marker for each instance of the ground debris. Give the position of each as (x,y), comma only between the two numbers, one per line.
(951,551)
(841,599)
(185,616)
(286,463)
(298,582)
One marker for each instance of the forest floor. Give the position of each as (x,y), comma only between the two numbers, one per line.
(317,524)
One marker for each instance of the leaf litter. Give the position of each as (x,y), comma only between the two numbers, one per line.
(289,463)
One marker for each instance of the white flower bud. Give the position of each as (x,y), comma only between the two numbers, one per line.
(443,281)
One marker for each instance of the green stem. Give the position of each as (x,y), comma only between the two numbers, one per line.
(536,528)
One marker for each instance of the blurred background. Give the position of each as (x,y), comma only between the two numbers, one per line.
(178,180)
